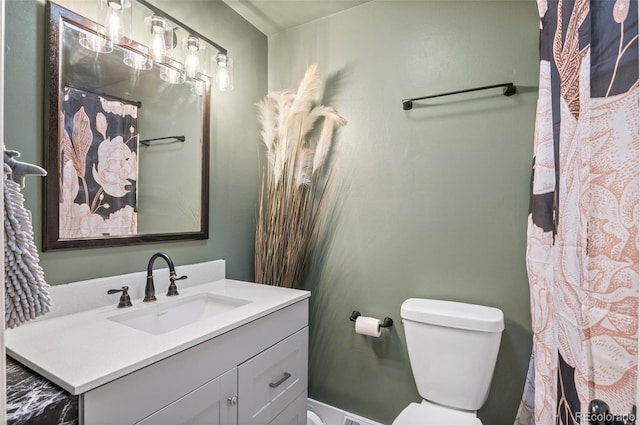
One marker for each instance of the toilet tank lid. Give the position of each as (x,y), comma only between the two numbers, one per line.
(453,314)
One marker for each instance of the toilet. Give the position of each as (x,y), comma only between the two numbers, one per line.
(453,349)
(313,418)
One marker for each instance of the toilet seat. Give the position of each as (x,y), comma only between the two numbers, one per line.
(427,413)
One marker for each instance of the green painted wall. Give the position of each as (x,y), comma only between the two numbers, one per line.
(432,202)
(234,156)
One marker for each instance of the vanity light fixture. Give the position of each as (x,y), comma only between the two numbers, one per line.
(195,43)
(172,73)
(224,72)
(138,61)
(157,44)
(95,42)
(163,30)
(117,22)
(192,55)
(115,16)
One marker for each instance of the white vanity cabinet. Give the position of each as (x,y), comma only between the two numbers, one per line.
(253,374)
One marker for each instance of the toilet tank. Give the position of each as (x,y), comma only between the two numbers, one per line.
(453,349)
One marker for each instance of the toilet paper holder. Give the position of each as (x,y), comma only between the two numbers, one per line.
(387,322)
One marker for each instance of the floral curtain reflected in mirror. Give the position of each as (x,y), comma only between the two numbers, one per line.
(98,156)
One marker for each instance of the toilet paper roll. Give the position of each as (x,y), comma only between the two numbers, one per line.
(368,326)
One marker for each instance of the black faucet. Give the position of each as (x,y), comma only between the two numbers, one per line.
(150,290)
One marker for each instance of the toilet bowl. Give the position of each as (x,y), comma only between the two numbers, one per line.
(313,419)
(453,348)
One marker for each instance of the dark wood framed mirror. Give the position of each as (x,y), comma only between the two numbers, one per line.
(127,143)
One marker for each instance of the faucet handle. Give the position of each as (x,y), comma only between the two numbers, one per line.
(125,300)
(173,289)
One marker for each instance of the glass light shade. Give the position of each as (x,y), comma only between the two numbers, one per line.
(95,42)
(137,60)
(193,46)
(224,72)
(117,22)
(172,74)
(157,45)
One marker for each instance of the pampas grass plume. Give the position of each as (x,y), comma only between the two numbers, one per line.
(293,190)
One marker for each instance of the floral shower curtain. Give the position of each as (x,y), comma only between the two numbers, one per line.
(582,253)
(99,166)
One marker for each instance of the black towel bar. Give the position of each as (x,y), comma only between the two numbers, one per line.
(174,139)
(509,90)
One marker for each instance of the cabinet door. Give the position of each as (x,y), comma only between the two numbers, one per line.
(214,403)
(270,381)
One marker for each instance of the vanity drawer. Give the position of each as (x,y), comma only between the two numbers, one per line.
(270,381)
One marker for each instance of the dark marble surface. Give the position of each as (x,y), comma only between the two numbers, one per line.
(33,400)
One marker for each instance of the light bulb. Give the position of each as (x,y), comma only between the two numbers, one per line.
(224,73)
(157,45)
(116,21)
(192,60)
(112,25)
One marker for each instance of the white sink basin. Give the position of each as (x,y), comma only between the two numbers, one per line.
(174,314)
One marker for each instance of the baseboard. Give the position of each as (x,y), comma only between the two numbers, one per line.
(333,416)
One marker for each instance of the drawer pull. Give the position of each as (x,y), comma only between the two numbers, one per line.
(286,376)
(232,401)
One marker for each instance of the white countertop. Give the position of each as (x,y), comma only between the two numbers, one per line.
(83,350)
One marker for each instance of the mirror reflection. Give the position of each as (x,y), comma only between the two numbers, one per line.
(130,146)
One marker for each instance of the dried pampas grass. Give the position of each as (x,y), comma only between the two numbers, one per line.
(295,181)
